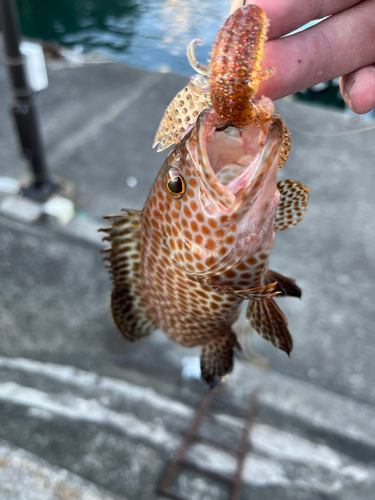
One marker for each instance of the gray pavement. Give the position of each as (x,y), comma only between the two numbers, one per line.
(315,435)
(121,434)
(25,476)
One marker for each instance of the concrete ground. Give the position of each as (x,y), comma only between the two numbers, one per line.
(81,408)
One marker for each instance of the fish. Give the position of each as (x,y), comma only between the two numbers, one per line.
(199,248)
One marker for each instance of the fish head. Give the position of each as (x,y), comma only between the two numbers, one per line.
(217,195)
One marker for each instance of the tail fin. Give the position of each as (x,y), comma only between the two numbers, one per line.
(217,357)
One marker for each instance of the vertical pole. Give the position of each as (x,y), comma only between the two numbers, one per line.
(24,111)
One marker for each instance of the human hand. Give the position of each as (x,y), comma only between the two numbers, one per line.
(341,46)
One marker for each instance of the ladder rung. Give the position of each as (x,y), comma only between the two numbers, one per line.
(207,472)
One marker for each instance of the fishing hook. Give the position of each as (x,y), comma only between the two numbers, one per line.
(224,127)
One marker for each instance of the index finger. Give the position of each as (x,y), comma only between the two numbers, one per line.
(339,45)
(286,16)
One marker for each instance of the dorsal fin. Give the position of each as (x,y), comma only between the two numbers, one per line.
(128,309)
(292,205)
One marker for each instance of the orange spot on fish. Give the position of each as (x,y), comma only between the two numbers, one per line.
(187,211)
(210,245)
(212,223)
(197,254)
(194,206)
(194,226)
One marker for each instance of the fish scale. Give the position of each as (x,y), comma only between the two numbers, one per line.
(200,247)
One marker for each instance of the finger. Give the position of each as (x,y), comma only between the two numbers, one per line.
(358,89)
(286,16)
(338,46)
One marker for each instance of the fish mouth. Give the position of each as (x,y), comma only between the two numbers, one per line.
(230,162)
(237,174)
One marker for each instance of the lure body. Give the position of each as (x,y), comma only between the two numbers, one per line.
(235,69)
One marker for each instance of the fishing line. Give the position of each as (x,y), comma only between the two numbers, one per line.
(339,134)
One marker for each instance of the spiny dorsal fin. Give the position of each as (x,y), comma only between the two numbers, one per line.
(267,319)
(292,205)
(285,285)
(123,254)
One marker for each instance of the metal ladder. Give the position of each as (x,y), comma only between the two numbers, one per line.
(193,436)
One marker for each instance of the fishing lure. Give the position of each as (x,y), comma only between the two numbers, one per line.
(229,83)
(200,246)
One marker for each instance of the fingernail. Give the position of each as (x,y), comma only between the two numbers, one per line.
(348,88)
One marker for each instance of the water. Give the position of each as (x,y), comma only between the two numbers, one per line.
(151,34)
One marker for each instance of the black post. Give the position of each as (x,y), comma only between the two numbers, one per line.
(24,111)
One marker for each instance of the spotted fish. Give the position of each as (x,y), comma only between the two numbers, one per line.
(200,246)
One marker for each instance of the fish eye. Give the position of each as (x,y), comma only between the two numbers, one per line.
(174,183)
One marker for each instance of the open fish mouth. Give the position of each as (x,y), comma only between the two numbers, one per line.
(231,162)
(237,193)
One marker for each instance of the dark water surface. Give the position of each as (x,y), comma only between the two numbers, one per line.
(149,34)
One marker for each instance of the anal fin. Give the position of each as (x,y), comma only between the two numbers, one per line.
(217,357)
(285,285)
(123,254)
(292,205)
(267,319)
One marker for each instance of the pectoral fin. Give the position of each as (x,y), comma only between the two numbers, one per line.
(292,205)
(128,309)
(256,293)
(217,357)
(285,285)
(268,320)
